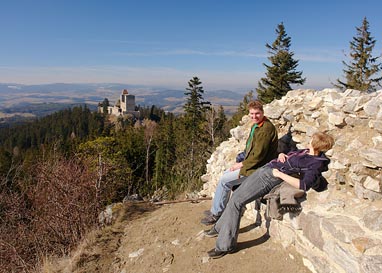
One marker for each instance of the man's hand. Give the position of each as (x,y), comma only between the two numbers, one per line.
(236,166)
(282,157)
(276,173)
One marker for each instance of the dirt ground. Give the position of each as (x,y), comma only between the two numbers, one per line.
(169,238)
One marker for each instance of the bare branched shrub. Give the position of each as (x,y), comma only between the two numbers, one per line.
(50,217)
(14,222)
(64,201)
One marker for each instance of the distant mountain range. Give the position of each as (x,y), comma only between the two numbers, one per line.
(18,101)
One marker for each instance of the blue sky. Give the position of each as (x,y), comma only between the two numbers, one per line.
(167,42)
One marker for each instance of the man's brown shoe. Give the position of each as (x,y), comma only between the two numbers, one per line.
(211,233)
(207,212)
(216,254)
(210,220)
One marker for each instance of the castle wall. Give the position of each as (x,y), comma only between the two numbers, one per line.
(127,103)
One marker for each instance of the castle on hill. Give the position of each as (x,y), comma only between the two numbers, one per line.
(124,105)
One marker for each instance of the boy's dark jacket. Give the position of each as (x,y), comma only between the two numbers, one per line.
(307,167)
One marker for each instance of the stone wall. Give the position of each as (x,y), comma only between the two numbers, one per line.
(340,229)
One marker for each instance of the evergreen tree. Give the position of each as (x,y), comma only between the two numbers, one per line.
(165,154)
(282,71)
(105,104)
(363,66)
(195,105)
(221,129)
(211,125)
(191,143)
(134,151)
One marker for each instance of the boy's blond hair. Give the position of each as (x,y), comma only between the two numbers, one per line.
(255,104)
(322,142)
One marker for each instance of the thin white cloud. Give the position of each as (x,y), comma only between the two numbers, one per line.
(311,55)
(115,41)
(228,53)
(13,87)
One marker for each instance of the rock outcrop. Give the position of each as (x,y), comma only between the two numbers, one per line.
(340,229)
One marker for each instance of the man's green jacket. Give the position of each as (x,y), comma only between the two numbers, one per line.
(262,149)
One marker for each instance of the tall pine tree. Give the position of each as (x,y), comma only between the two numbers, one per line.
(195,105)
(192,141)
(282,71)
(363,66)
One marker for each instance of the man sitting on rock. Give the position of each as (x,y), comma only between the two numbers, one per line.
(307,164)
(261,147)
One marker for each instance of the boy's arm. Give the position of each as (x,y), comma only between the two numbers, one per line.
(293,181)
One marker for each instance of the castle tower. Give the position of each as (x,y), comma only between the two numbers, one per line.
(127,102)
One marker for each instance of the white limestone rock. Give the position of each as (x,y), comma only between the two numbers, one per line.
(372,184)
(315,103)
(376,124)
(372,107)
(343,228)
(337,118)
(351,93)
(373,155)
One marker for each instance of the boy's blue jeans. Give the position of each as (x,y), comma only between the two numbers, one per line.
(253,187)
(223,190)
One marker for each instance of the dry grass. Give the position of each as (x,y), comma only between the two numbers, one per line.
(96,251)
(68,263)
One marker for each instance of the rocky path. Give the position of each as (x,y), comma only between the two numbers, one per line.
(169,238)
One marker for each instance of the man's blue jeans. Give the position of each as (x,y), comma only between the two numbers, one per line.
(223,191)
(253,187)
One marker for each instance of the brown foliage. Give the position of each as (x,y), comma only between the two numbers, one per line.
(13,227)
(51,215)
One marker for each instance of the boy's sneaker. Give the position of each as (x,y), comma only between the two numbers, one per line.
(207,212)
(210,220)
(211,233)
(216,254)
